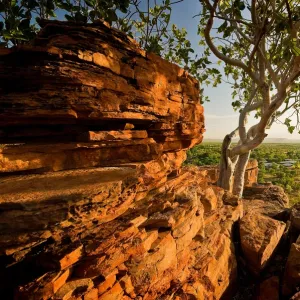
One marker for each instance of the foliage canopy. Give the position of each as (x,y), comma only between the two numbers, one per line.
(259,43)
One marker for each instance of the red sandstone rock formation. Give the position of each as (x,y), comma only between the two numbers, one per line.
(269,289)
(291,278)
(295,216)
(94,203)
(260,236)
(94,94)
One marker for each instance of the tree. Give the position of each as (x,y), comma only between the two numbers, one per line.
(258,41)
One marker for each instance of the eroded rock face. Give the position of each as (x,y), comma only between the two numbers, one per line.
(273,194)
(291,279)
(251,173)
(268,200)
(296,296)
(94,94)
(295,216)
(94,203)
(161,244)
(259,237)
(269,289)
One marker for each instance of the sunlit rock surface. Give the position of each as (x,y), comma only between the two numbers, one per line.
(269,289)
(259,236)
(268,200)
(94,201)
(291,279)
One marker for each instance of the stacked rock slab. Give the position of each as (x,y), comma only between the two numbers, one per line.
(94,202)
(291,278)
(259,236)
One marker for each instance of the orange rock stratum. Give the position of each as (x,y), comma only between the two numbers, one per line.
(94,202)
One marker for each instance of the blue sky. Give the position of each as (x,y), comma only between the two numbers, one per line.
(220,118)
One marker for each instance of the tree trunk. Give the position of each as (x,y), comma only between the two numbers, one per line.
(225,180)
(232,169)
(239,174)
(227,165)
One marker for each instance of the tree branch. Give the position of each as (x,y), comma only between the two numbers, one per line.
(242,119)
(289,13)
(213,48)
(233,20)
(250,145)
(295,73)
(253,12)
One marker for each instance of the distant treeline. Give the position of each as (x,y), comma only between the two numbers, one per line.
(277,173)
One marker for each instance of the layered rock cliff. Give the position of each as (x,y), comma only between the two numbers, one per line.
(94,200)
(95,203)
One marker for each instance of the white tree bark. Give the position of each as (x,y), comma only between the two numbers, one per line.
(239,174)
(265,74)
(227,164)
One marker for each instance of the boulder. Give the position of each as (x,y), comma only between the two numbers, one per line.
(259,237)
(295,216)
(296,296)
(291,278)
(269,289)
(268,200)
(272,194)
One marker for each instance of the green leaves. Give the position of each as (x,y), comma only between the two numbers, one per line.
(31,4)
(111,16)
(239,4)
(290,127)
(24,24)
(91,3)
(69,18)
(62,5)
(295,48)
(246,46)
(223,26)
(79,17)
(18,28)
(236,104)
(287,121)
